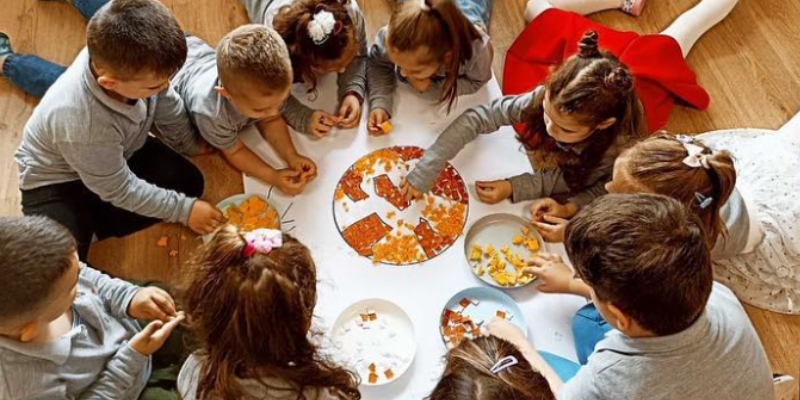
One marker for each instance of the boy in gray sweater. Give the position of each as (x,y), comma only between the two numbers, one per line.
(86,159)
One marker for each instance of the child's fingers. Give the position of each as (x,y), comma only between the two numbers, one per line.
(164,304)
(151,329)
(161,335)
(533,270)
(554,220)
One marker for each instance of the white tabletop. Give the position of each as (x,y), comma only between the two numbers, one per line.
(421,290)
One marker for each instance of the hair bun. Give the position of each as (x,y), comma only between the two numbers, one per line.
(619,79)
(587,47)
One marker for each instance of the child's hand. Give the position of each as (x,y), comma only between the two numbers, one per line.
(153,336)
(503,329)
(409,192)
(205,218)
(377,117)
(554,276)
(548,206)
(494,191)
(322,122)
(350,112)
(288,181)
(551,228)
(421,85)
(306,168)
(152,303)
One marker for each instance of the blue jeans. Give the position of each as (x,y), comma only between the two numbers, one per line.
(33,74)
(565,369)
(588,328)
(477,11)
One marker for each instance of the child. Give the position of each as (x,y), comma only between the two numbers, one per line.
(657,61)
(678,335)
(575,126)
(322,36)
(246,82)
(252,299)
(67,330)
(86,159)
(430,44)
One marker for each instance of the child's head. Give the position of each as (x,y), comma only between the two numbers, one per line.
(589,99)
(321,37)
(136,46)
(251,311)
(662,165)
(645,258)
(254,70)
(425,36)
(40,270)
(484,369)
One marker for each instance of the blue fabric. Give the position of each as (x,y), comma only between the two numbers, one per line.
(477,11)
(88,8)
(30,73)
(588,328)
(565,369)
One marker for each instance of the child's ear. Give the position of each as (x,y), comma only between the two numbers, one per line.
(623,321)
(222,91)
(605,124)
(29,332)
(107,82)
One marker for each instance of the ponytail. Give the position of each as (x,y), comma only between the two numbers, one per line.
(441,27)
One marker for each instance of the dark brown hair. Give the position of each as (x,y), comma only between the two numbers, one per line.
(36,252)
(468,375)
(593,86)
(255,55)
(292,21)
(656,164)
(130,37)
(646,255)
(440,26)
(251,317)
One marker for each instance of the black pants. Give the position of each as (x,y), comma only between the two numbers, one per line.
(85,214)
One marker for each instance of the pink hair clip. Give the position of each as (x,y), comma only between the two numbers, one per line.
(262,241)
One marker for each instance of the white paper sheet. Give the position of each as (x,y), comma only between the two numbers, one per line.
(421,290)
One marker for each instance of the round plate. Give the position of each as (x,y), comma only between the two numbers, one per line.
(485,305)
(390,332)
(238,199)
(499,230)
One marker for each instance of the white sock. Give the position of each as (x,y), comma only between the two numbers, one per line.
(586,7)
(534,8)
(692,24)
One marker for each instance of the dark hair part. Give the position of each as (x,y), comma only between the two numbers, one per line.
(468,375)
(36,252)
(593,86)
(646,255)
(130,37)
(440,26)
(657,165)
(291,22)
(251,317)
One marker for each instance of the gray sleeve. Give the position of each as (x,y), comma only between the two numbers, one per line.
(115,293)
(218,134)
(381,80)
(354,78)
(479,68)
(484,119)
(583,386)
(172,121)
(104,170)
(121,374)
(256,10)
(532,186)
(737,221)
(297,115)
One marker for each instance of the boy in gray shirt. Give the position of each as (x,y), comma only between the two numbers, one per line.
(66,329)
(678,335)
(86,159)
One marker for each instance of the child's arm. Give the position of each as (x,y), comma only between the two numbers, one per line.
(277,135)
(381,81)
(354,78)
(116,294)
(307,120)
(479,70)
(479,120)
(172,121)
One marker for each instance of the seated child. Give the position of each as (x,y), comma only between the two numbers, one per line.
(678,335)
(662,76)
(245,82)
(323,36)
(86,159)
(252,299)
(434,45)
(575,126)
(490,368)
(66,329)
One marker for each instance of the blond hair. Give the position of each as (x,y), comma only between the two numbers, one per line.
(254,55)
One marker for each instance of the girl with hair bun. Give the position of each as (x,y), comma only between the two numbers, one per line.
(322,36)
(662,76)
(572,127)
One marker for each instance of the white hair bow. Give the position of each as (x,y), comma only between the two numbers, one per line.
(695,157)
(320,28)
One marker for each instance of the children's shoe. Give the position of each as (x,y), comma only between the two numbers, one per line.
(784,387)
(633,7)
(5,45)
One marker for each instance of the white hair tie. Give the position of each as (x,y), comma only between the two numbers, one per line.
(320,28)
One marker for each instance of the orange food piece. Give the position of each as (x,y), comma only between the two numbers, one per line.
(253,213)
(173,253)
(465,303)
(364,234)
(501,314)
(373,378)
(386,189)
(398,249)
(431,242)
(447,220)
(350,185)
(386,126)
(372,367)
(389,373)
(162,242)
(451,186)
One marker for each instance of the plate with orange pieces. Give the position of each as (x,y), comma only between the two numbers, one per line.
(250,211)
(497,248)
(466,315)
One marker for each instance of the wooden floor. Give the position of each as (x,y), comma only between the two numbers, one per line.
(748,64)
